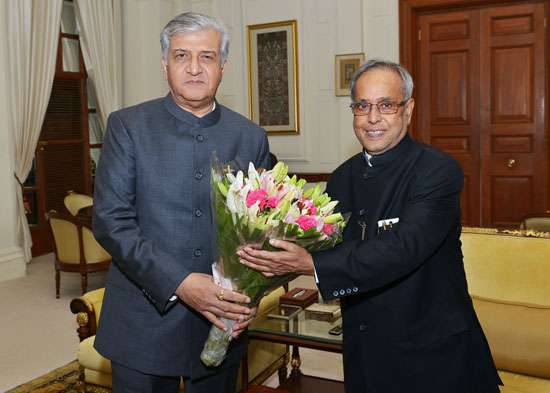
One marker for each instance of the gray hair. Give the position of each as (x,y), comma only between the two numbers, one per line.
(406,79)
(193,21)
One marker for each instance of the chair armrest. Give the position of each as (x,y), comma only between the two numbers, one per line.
(87,309)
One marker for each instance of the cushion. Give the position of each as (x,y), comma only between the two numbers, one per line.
(517,383)
(518,334)
(507,267)
(89,358)
(97,378)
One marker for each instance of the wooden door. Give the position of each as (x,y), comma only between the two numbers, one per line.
(482,83)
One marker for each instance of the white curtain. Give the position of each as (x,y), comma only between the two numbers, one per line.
(99,24)
(33,31)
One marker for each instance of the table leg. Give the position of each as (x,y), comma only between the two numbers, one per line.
(295,362)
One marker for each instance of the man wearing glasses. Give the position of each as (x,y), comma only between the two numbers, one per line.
(409,324)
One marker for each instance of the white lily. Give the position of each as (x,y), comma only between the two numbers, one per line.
(231,178)
(253,176)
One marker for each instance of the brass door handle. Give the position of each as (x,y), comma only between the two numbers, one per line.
(42,144)
(511,163)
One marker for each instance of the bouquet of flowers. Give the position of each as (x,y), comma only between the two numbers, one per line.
(251,209)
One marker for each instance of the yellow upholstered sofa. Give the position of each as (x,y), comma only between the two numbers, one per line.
(508,276)
(264,358)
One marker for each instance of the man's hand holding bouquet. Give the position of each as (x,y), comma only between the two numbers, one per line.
(248,210)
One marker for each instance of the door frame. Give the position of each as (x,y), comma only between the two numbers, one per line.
(409,10)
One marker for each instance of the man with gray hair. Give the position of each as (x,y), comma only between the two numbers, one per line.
(409,324)
(152,214)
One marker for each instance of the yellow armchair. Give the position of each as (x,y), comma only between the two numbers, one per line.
(264,358)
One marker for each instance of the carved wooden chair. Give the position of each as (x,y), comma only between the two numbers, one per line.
(536,221)
(75,247)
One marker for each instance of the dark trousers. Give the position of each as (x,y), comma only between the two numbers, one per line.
(126,380)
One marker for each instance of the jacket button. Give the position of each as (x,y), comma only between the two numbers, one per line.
(198,252)
(362,328)
(198,175)
(366,176)
(200,138)
(362,212)
(335,293)
(198,212)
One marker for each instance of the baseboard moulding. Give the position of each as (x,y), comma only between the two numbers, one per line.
(12,264)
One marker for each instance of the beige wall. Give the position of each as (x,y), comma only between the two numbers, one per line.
(325,28)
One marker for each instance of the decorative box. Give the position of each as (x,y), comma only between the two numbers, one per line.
(323,312)
(300,297)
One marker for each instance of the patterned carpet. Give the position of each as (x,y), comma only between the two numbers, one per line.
(60,380)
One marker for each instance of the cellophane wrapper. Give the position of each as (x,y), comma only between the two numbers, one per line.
(253,227)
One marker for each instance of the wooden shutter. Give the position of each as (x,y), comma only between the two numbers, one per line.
(64,150)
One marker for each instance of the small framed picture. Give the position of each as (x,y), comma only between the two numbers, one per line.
(345,66)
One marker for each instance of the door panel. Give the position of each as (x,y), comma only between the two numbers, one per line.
(512,89)
(513,80)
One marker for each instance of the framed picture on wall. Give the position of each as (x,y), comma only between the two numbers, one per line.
(273,76)
(345,66)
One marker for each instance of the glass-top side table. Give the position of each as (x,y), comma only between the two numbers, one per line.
(298,331)
(300,327)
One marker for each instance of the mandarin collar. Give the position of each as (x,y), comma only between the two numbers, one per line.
(207,120)
(393,154)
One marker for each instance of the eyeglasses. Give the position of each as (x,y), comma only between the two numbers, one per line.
(387,107)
